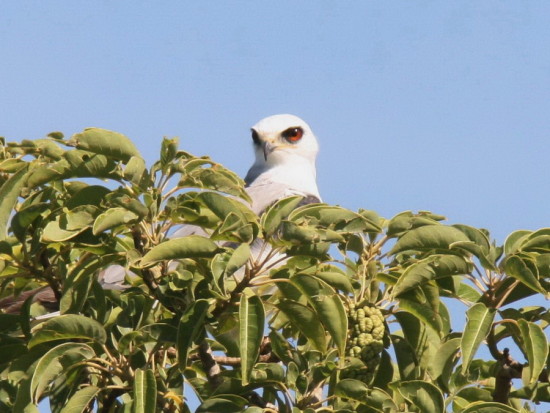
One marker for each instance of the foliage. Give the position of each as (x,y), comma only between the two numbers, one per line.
(200,314)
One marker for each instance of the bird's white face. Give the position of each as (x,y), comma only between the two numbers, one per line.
(280,138)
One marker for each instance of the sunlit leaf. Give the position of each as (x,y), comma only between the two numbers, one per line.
(488,407)
(105,142)
(113,218)
(428,237)
(9,192)
(192,246)
(422,395)
(535,346)
(479,320)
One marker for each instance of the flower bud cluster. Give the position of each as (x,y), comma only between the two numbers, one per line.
(365,340)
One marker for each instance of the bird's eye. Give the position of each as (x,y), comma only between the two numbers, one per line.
(255,137)
(293,134)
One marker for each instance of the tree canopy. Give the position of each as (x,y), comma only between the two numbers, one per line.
(347,312)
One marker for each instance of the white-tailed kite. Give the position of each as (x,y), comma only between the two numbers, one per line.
(285,150)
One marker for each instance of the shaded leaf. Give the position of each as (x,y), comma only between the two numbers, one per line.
(252,319)
(327,305)
(435,266)
(307,321)
(80,401)
(55,362)
(189,329)
(68,326)
(145,391)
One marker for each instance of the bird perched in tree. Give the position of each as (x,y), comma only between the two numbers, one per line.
(285,153)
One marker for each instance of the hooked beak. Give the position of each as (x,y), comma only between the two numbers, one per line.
(268,148)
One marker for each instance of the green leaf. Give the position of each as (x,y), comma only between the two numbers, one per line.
(488,407)
(327,305)
(192,246)
(425,313)
(80,401)
(238,258)
(435,266)
(223,403)
(422,395)
(444,359)
(66,327)
(251,329)
(351,389)
(189,329)
(274,215)
(23,402)
(333,217)
(479,320)
(88,195)
(54,363)
(105,142)
(535,346)
(517,268)
(514,240)
(307,321)
(136,171)
(112,218)
(145,391)
(9,193)
(428,237)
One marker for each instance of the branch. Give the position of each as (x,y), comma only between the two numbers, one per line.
(508,369)
(211,367)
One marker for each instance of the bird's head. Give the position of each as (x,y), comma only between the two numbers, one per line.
(280,138)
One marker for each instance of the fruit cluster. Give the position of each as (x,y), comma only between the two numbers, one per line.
(365,340)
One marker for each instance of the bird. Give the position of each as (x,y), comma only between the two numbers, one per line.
(285,150)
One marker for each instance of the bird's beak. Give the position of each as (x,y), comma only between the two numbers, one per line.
(268,148)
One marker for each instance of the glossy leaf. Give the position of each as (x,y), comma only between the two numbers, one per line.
(145,391)
(192,246)
(428,237)
(68,326)
(251,329)
(479,320)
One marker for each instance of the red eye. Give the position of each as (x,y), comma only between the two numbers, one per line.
(293,134)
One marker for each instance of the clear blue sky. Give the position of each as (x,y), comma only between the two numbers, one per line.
(423,105)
